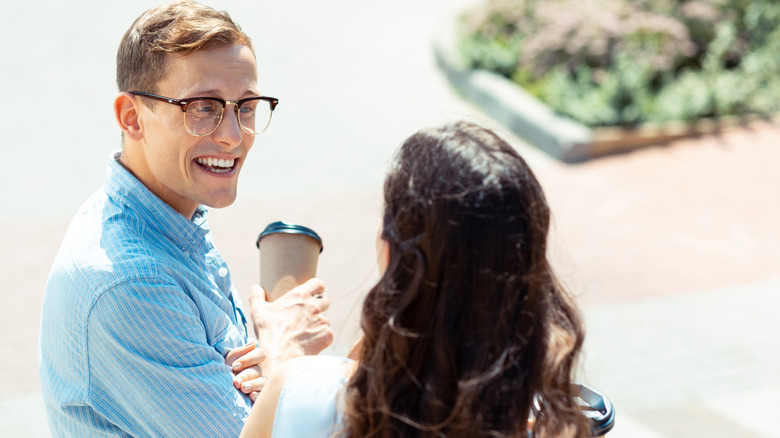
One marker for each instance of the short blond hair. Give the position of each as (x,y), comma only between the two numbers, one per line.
(176,29)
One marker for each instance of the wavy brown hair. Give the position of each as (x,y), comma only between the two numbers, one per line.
(175,29)
(468,321)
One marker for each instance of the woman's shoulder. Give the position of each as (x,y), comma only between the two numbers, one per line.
(306,378)
(311,391)
(315,364)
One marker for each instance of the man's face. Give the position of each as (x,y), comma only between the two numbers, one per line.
(174,164)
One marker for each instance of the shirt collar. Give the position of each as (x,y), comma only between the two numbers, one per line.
(126,189)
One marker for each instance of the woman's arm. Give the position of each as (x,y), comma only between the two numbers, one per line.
(260,423)
(306,386)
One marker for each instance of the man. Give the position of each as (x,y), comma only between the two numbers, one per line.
(142,332)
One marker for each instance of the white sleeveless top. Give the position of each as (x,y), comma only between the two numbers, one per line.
(309,404)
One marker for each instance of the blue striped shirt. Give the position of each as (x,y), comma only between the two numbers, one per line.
(138,315)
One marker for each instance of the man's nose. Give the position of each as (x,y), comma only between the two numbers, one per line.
(229,130)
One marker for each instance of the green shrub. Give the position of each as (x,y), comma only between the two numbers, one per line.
(625,62)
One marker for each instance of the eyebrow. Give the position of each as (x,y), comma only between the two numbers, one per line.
(213,92)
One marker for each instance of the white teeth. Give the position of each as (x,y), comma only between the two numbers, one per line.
(218,165)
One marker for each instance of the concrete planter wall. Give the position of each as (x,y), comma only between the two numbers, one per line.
(561,137)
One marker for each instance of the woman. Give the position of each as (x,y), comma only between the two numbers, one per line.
(467,321)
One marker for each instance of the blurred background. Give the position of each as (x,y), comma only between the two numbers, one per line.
(671,251)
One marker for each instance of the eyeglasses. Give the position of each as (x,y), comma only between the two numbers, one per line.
(202,115)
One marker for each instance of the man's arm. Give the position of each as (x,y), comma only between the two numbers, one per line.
(153,369)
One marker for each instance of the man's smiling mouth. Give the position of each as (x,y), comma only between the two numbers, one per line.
(216,165)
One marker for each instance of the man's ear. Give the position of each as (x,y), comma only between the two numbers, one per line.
(127,115)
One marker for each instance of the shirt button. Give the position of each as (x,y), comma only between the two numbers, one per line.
(222,271)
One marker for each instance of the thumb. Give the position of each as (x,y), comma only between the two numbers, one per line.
(258,293)
(263,293)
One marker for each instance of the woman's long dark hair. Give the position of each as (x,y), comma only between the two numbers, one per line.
(468,322)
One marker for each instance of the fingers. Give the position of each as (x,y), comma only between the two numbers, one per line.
(246,376)
(320,303)
(324,341)
(310,288)
(245,362)
(253,387)
(251,358)
(318,338)
(310,294)
(314,289)
(257,293)
(236,353)
(248,373)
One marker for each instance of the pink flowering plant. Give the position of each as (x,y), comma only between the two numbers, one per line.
(627,62)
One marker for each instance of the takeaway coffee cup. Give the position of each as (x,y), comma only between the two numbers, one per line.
(288,257)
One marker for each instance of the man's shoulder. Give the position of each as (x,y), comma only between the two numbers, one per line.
(106,244)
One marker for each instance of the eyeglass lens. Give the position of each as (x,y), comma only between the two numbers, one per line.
(203,116)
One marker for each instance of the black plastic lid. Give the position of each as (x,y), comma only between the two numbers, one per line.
(288,228)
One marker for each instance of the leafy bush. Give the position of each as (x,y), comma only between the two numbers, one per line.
(625,62)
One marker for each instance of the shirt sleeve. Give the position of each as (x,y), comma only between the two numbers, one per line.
(153,371)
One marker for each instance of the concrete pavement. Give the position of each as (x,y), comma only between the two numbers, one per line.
(671,251)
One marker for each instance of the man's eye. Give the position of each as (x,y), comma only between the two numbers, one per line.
(248,107)
(203,108)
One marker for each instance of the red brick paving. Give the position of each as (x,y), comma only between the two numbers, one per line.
(696,214)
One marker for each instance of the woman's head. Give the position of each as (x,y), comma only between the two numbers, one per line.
(458,328)
(463,202)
